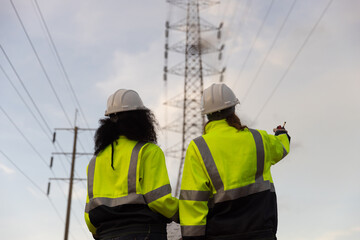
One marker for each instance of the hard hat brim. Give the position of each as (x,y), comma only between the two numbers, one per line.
(112,111)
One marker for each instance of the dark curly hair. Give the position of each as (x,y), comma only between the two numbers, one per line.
(138,125)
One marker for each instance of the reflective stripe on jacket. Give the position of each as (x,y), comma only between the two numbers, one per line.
(135,190)
(227,188)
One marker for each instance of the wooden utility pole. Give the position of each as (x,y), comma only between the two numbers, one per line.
(72,171)
(67,223)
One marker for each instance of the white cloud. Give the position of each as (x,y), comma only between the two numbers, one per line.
(5,169)
(35,193)
(352,233)
(134,70)
(79,193)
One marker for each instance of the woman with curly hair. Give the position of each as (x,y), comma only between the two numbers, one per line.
(129,193)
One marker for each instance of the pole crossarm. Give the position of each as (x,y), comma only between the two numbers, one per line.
(80,129)
(67,153)
(181,25)
(201,4)
(65,179)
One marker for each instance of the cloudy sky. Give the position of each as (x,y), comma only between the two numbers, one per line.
(293,61)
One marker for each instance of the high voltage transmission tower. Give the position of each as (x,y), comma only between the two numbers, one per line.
(193,68)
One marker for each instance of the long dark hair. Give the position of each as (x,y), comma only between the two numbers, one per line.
(233,120)
(139,125)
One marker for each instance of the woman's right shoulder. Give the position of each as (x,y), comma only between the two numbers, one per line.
(149,146)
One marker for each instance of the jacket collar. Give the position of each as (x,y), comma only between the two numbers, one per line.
(216,125)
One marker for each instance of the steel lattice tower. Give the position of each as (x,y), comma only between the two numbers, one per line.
(193,69)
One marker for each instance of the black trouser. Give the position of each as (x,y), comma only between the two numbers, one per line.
(140,236)
(136,232)
(255,235)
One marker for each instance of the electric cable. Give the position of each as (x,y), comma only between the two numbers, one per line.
(36,151)
(268,52)
(24,87)
(30,97)
(60,62)
(23,100)
(254,41)
(23,135)
(40,63)
(28,141)
(244,17)
(31,181)
(23,173)
(35,185)
(294,59)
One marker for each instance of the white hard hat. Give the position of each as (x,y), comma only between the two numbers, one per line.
(217,97)
(124,100)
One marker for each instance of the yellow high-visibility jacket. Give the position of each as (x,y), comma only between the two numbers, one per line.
(227,190)
(132,190)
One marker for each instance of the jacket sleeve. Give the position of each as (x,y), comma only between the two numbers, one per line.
(279,146)
(91,227)
(155,184)
(194,195)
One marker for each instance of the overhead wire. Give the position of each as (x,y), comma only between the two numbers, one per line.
(29,96)
(36,186)
(61,65)
(32,182)
(268,52)
(60,62)
(23,135)
(25,88)
(25,103)
(36,151)
(294,59)
(26,139)
(40,63)
(43,68)
(47,76)
(242,21)
(32,113)
(254,41)
(31,99)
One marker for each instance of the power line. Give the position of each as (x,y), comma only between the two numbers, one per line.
(244,16)
(40,62)
(57,55)
(23,173)
(23,135)
(36,107)
(24,87)
(30,97)
(33,183)
(256,37)
(37,152)
(23,100)
(269,51)
(295,57)
(60,64)
(28,141)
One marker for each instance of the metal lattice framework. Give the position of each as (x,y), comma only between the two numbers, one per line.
(193,69)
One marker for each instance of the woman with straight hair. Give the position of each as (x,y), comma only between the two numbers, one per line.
(227,191)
